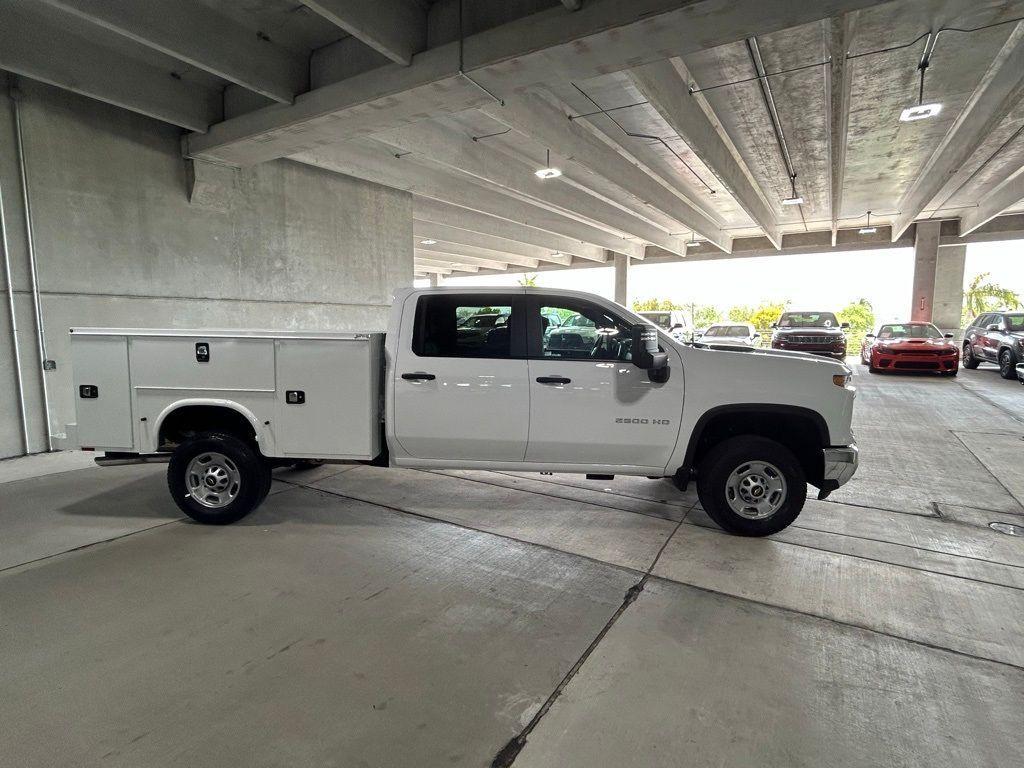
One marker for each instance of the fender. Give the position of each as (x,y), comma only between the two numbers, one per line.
(263,435)
(783,410)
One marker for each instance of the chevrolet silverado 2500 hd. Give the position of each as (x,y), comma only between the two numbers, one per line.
(751,427)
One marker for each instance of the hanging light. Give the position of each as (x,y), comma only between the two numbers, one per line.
(922,111)
(550,172)
(795,199)
(428,242)
(693,241)
(867,229)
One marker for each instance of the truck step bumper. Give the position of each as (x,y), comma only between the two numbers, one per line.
(840,465)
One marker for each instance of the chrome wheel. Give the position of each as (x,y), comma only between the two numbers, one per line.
(213,480)
(755,490)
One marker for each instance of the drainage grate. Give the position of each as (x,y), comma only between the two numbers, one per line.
(1008,528)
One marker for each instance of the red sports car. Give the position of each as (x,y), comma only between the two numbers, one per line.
(910,347)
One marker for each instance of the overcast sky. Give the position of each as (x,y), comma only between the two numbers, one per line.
(820,281)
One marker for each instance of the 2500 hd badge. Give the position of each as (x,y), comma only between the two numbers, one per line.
(661,422)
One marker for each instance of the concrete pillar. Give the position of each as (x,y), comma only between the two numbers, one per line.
(949,287)
(622,279)
(435,279)
(926,251)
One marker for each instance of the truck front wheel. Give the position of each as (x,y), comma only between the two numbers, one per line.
(751,486)
(216,479)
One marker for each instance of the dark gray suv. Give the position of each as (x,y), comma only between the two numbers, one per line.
(995,337)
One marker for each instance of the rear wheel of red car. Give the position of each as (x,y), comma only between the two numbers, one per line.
(751,486)
(969,360)
(1007,364)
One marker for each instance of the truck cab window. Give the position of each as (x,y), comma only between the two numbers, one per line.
(463,326)
(583,331)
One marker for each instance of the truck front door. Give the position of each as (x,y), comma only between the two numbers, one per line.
(460,378)
(588,403)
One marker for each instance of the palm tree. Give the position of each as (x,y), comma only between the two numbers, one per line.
(528,280)
(983,295)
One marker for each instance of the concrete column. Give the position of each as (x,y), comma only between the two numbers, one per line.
(926,251)
(622,279)
(435,279)
(949,287)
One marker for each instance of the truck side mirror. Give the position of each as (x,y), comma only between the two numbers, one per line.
(844,325)
(869,335)
(645,348)
(947,335)
(775,325)
(992,327)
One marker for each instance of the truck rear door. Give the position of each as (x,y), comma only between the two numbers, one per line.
(461,390)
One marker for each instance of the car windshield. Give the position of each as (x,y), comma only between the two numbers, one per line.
(808,320)
(1016,322)
(727,330)
(482,321)
(660,319)
(578,321)
(909,331)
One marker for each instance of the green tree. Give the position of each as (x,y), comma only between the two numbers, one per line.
(761,317)
(705,315)
(861,317)
(983,295)
(655,305)
(529,280)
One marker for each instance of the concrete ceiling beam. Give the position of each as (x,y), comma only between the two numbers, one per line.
(32,46)
(443,253)
(603,36)
(395,28)
(1000,90)
(1006,195)
(495,229)
(519,253)
(665,85)
(537,118)
(375,162)
(421,261)
(430,269)
(459,152)
(838,80)
(196,34)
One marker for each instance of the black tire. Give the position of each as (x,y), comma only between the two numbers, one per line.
(950,373)
(1008,364)
(715,470)
(968,360)
(304,464)
(872,369)
(246,476)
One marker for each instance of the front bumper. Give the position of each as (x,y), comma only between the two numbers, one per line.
(1020,373)
(840,464)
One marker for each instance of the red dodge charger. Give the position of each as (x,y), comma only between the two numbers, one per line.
(910,347)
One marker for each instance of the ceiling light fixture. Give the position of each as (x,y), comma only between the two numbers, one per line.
(923,111)
(428,242)
(693,242)
(920,112)
(795,199)
(867,229)
(550,172)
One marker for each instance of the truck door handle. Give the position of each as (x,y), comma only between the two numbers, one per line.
(418,376)
(553,380)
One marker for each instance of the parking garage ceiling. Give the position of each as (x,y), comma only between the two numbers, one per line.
(680,129)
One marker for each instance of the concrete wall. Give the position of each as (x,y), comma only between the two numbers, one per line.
(119,244)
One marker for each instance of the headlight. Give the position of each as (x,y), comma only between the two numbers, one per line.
(841,379)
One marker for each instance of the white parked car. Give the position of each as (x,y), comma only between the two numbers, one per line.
(225,407)
(672,321)
(743,334)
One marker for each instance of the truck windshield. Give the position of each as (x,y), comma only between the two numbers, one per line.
(808,320)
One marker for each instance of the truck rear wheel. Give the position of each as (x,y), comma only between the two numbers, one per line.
(217,479)
(751,486)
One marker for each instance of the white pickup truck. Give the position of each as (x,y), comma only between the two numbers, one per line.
(470,378)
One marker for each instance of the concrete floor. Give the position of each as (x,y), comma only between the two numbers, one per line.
(368,617)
